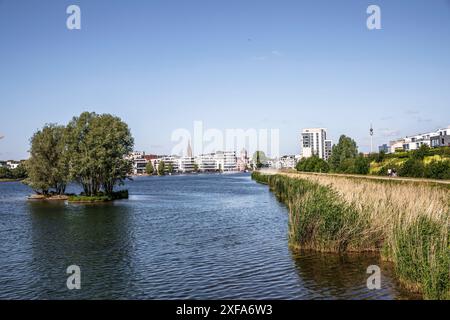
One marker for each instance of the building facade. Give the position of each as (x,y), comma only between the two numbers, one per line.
(315,142)
(206,162)
(438,138)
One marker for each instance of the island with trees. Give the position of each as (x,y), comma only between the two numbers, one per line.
(89,151)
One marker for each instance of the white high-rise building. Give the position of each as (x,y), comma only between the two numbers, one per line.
(314,142)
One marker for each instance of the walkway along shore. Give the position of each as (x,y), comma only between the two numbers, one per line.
(405,220)
(293,173)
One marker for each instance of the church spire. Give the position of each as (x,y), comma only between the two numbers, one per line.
(189,149)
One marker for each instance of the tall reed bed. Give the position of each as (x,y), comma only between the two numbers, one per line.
(407,222)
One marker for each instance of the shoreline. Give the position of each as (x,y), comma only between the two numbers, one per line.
(10,180)
(329,213)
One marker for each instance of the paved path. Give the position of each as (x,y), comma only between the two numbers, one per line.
(275,171)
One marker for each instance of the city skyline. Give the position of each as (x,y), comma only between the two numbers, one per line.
(269,65)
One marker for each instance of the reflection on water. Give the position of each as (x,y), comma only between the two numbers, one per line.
(197,237)
(97,238)
(344,276)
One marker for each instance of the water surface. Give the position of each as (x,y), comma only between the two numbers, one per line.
(177,237)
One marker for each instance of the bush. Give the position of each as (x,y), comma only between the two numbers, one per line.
(313,164)
(412,167)
(438,169)
(358,165)
(362,165)
(100,197)
(19,173)
(421,153)
(5,173)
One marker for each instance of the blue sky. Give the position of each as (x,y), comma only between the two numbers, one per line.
(161,65)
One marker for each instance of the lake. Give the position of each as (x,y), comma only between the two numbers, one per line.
(176,237)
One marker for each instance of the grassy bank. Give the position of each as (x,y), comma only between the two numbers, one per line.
(122,194)
(8,180)
(407,222)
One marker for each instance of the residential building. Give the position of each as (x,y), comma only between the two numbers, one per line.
(383,148)
(441,139)
(243,161)
(438,138)
(396,145)
(313,143)
(187,164)
(169,160)
(226,160)
(206,162)
(328,149)
(284,162)
(139,165)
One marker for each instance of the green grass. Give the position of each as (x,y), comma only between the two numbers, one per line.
(9,180)
(122,194)
(422,257)
(319,219)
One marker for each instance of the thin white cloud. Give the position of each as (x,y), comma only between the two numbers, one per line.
(389,133)
(277,53)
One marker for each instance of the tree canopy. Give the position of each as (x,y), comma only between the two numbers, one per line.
(161,168)
(90,150)
(313,164)
(48,164)
(149,168)
(260,159)
(341,152)
(97,147)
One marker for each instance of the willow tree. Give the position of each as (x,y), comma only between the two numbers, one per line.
(47,166)
(97,145)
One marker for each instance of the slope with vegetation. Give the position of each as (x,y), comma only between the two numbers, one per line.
(425,162)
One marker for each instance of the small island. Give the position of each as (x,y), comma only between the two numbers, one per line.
(90,151)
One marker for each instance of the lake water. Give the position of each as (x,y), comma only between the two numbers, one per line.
(187,237)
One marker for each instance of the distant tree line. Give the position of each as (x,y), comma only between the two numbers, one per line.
(18,173)
(90,150)
(346,159)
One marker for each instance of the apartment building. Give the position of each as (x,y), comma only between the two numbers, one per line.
(328,149)
(206,162)
(226,160)
(315,142)
(169,160)
(243,162)
(438,138)
(284,162)
(187,164)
